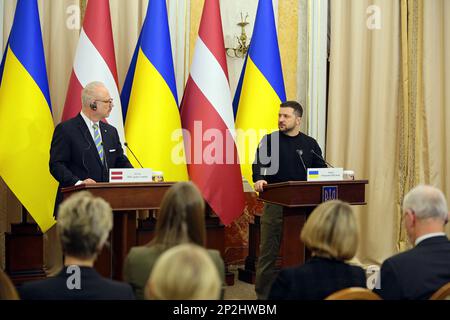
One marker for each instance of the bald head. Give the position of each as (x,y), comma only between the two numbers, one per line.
(427,202)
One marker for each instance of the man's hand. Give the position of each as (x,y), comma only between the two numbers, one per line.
(89,181)
(259,185)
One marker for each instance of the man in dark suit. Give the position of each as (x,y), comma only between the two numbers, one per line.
(84,148)
(419,272)
(84,224)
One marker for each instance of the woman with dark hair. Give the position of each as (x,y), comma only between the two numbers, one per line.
(181,219)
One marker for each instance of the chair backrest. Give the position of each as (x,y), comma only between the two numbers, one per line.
(353,294)
(442,294)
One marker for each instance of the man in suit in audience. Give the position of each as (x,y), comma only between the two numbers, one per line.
(83,226)
(419,272)
(84,148)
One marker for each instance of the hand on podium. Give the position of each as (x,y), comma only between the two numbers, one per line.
(89,181)
(259,185)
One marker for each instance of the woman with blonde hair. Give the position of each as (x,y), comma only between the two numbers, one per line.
(181,219)
(184,272)
(331,234)
(7,289)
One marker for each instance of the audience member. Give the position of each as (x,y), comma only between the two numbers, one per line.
(83,226)
(181,220)
(331,234)
(419,272)
(184,272)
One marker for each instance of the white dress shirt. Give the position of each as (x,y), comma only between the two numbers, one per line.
(90,125)
(428,236)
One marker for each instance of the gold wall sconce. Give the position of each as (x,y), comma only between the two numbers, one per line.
(242,48)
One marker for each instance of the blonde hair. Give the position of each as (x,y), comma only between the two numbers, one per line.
(331,231)
(184,272)
(84,223)
(7,289)
(181,218)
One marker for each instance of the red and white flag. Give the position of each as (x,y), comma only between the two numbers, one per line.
(95,60)
(207,114)
(116,175)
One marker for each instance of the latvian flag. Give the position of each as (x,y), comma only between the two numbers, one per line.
(207,101)
(116,176)
(95,61)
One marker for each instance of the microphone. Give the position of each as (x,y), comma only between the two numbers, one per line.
(126,145)
(321,158)
(300,153)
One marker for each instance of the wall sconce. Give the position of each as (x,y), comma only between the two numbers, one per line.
(241,50)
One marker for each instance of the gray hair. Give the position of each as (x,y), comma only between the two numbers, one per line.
(84,223)
(88,92)
(426,202)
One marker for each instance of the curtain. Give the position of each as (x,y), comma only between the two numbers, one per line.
(425,116)
(363,112)
(436,92)
(389,109)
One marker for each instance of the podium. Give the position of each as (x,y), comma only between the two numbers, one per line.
(298,199)
(125,200)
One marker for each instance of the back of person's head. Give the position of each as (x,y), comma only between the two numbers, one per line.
(427,202)
(84,223)
(184,272)
(331,231)
(181,218)
(7,289)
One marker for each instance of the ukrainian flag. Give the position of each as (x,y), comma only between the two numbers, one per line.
(26,124)
(149,97)
(260,90)
(313,174)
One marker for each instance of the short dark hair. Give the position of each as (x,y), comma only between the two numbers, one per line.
(298,109)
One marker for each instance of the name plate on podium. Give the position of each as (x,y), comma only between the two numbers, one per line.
(325,174)
(130,175)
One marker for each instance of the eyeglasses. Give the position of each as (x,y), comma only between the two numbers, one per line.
(110,101)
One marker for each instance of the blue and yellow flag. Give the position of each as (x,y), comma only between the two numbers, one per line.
(149,99)
(260,90)
(26,124)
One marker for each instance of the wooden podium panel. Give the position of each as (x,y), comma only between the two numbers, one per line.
(126,196)
(298,199)
(295,194)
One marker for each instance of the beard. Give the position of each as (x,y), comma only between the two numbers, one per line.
(286,128)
